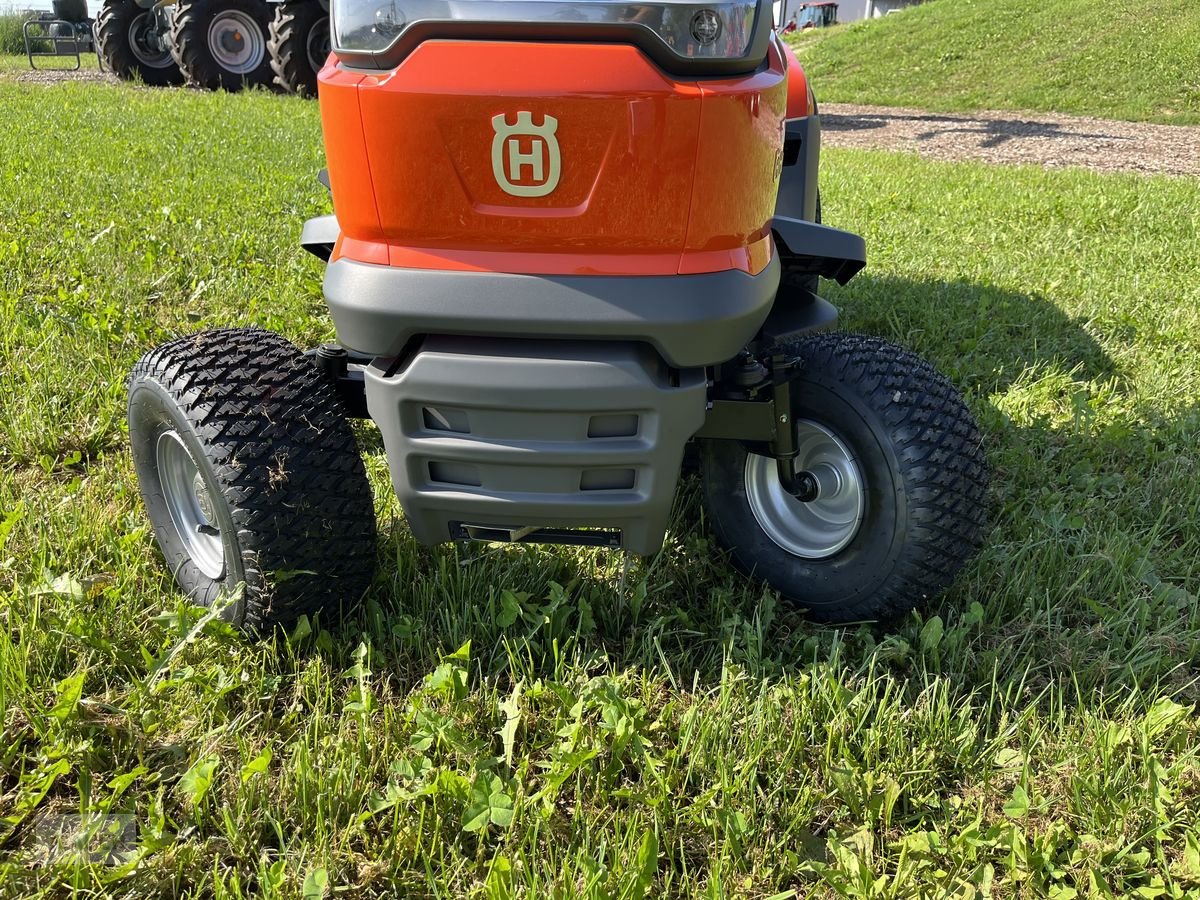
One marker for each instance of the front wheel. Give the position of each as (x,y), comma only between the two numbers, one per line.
(222,43)
(134,43)
(299,45)
(896,485)
(251,477)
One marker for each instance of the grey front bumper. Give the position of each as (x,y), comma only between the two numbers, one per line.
(520,435)
(691,320)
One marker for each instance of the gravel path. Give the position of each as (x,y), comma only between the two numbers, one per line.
(50,76)
(1009,138)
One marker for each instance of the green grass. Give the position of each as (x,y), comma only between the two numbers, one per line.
(1122,59)
(665,730)
(12,39)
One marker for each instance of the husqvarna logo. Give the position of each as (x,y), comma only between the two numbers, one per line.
(525,157)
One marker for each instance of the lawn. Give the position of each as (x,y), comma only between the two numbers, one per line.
(1121,59)
(554,722)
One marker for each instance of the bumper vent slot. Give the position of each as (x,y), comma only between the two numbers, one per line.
(607,480)
(446,418)
(617,425)
(454,473)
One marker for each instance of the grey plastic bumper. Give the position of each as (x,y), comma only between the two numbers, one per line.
(518,434)
(691,320)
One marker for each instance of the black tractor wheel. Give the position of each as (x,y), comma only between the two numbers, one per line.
(299,45)
(897,484)
(251,476)
(222,43)
(134,44)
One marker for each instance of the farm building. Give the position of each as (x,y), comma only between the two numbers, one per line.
(852,10)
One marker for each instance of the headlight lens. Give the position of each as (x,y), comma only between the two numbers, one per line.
(689,30)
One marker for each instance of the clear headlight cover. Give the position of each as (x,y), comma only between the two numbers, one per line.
(687,30)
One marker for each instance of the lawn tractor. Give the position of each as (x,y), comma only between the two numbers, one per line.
(569,241)
(226,44)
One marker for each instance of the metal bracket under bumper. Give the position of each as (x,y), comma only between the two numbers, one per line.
(818,249)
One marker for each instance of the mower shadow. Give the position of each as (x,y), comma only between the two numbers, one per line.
(529,610)
(991,132)
(982,337)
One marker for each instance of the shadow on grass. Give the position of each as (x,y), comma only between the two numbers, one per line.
(982,337)
(991,132)
(1036,607)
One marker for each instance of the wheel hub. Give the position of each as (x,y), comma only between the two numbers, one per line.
(318,45)
(146,42)
(825,515)
(236,42)
(190,504)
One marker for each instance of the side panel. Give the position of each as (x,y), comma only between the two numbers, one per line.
(738,159)
(799,100)
(346,152)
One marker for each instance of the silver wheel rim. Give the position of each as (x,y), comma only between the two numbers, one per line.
(317,44)
(145,44)
(190,506)
(819,528)
(236,42)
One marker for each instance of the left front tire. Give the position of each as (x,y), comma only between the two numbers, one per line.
(251,477)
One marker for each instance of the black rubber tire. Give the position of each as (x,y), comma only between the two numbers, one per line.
(112,28)
(278,459)
(189,44)
(291,28)
(921,458)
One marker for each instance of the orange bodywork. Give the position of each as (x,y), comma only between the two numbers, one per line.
(799,99)
(657,176)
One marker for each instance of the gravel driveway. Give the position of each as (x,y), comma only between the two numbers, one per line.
(1010,138)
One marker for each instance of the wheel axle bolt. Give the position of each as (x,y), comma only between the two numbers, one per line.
(807,487)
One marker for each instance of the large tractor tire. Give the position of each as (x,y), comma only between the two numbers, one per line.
(299,45)
(222,44)
(896,497)
(251,477)
(134,44)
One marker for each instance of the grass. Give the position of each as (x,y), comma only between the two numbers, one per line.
(1121,59)
(12,40)
(554,722)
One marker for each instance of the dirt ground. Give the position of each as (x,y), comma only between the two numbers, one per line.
(1013,138)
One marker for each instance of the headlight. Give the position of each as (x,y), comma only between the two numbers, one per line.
(686,30)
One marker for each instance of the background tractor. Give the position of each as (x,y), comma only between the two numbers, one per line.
(225,44)
(793,16)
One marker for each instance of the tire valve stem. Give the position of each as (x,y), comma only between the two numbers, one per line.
(208,530)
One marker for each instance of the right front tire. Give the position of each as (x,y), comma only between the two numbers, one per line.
(251,477)
(222,43)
